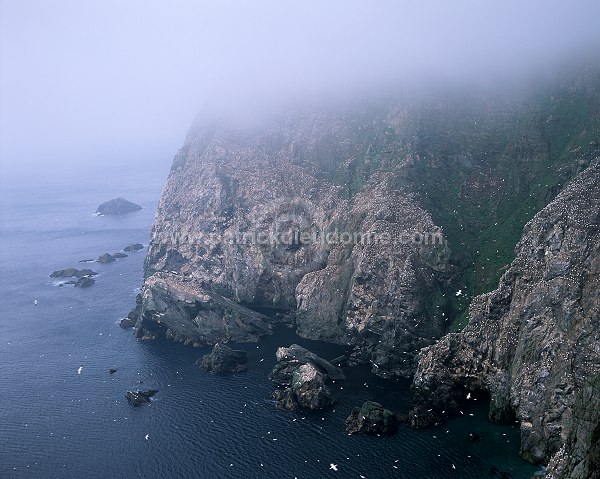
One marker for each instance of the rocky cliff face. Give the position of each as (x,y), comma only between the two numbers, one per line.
(579,458)
(534,342)
(372,225)
(376,226)
(268,217)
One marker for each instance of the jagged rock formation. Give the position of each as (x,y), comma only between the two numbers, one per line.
(72,272)
(579,458)
(372,418)
(186,313)
(301,377)
(133,315)
(532,343)
(117,206)
(338,216)
(238,200)
(222,360)
(335,216)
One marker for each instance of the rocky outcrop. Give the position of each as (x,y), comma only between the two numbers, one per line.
(301,378)
(307,390)
(372,418)
(134,247)
(133,315)
(310,214)
(85,282)
(137,398)
(532,343)
(106,258)
(297,355)
(72,272)
(127,323)
(178,309)
(579,458)
(117,206)
(223,360)
(363,221)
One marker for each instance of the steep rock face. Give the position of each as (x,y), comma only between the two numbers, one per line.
(534,341)
(339,216)
(272,216)
(580,456)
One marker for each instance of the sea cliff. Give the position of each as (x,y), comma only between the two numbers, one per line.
(388,226)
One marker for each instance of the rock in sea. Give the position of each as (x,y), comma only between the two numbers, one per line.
(72,272)
(106,258)
(372,418)
(137,398)
(301,376)
(223,360)
(134,247)
(85,282)
(117,206)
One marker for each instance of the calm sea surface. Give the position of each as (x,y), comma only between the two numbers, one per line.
(55,422)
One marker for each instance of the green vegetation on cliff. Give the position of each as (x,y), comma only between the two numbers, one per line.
(483,172)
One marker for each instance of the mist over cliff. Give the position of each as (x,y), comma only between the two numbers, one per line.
(107,82)
(415,182)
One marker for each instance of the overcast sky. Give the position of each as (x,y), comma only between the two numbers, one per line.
(103,82)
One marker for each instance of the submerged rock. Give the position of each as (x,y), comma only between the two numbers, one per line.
(85,272)
(372,418)
(117,206)
(119,255)
(223,360)
(137,398)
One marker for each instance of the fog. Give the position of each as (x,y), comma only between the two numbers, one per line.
(102,84)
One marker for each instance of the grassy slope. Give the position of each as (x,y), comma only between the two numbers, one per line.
(485,171)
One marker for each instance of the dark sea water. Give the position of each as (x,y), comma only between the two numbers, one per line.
(55,422)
